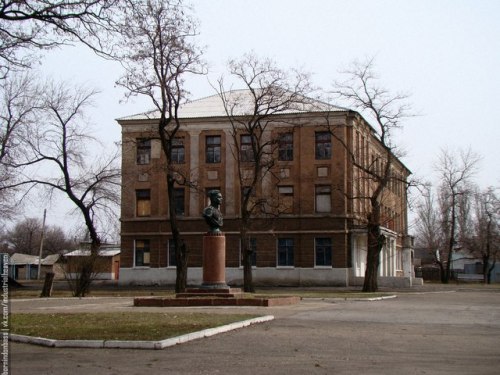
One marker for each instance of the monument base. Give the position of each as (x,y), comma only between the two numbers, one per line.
(214,261)
(226,292)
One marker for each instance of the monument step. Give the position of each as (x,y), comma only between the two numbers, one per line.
(211,292)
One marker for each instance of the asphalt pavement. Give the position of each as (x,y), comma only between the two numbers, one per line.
(450,331)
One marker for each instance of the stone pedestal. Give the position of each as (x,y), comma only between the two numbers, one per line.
(214,261)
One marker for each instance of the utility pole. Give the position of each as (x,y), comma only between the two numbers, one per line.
(41,245)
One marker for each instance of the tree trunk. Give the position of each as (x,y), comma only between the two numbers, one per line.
(48,284)
(181,268)
(489,272)
(451,242)
(246,255)
(442,273)
(247,271)
(86,273)
(375,244)
(180,246)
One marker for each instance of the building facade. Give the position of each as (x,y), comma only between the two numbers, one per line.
(317,185)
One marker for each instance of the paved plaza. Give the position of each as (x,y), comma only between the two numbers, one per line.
(449,331)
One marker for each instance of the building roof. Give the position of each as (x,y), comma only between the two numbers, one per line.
(22,259)
(212,106)
(102,252)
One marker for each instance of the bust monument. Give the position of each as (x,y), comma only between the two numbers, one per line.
(212,213)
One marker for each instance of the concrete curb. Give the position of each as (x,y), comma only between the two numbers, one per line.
(121,344)
(349,299)
(379,298)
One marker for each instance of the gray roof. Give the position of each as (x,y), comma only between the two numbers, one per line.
(212,106)
(22,259)
(102,252)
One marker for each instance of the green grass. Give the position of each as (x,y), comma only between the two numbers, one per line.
(35,293)
(164,292)
(305,293)
(117,326)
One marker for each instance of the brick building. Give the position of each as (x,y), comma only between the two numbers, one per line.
(319,237)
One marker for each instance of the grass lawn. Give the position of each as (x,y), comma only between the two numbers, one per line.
(117,326)
(35,293)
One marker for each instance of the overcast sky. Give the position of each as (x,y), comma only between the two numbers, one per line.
(445,53)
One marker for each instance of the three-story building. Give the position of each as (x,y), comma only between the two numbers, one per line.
(318,180)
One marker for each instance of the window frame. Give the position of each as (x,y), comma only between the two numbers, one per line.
(323,247)
(213,150)
(318,193)
(253,246)
(171,260)
(180,203)
(322,147)
(289,248)
(285,147)
(286,194)
(139,200)
(143,250)
(246,148)
(143,151)
(178,154)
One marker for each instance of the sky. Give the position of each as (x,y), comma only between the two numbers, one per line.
(444,53)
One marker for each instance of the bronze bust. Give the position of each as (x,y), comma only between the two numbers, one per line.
(212,213)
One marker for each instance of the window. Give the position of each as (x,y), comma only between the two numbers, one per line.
(285,199)
(252,243)
(285,252)
(246,150)
(178,151)
(323,252)
(142,253)
(323,146)
(179,201)
(172,262)
(212,148)
(143,202)
(323,199)
(285,147)
(143,151)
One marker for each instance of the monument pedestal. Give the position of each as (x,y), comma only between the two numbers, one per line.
(214,270)
(214,261)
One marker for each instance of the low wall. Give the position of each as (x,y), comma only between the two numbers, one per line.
(390,281)
(234,276)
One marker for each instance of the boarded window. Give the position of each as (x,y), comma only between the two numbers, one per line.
(143,202)
(285,199)
(142,253)
(323,199)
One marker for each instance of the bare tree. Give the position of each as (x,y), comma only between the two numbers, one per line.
(26,234)
(428,223)
(386,111)
(60,158)
(455,171)
(483,241)
(27,26)
(19,104)
(268,92)
(158,52)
